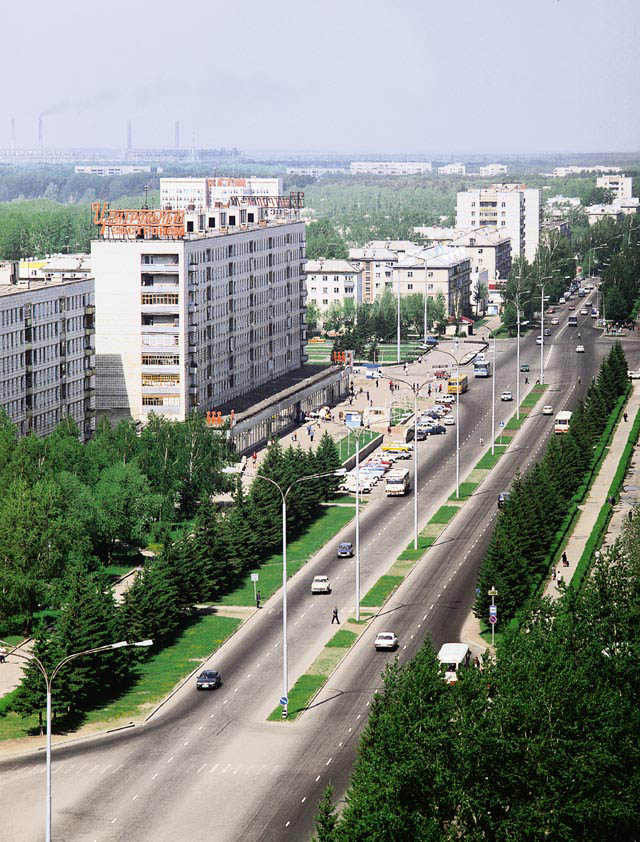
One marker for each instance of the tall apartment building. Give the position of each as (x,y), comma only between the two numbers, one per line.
(195,309)
(513,209)
(452,169)
(47,362)
(621,186)
(333,281)
(390,167)
(492,170)
(184,193)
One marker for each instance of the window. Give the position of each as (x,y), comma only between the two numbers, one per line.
(409,274)
(409,286)
(336,289)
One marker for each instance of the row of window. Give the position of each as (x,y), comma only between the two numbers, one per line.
(161,379)
(160,359)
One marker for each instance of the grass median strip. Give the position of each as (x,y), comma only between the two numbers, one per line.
(409,554)
(153,679)
(381,591)
(465,490)
(445,514)
(321,531)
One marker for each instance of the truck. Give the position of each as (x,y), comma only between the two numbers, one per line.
(451,657)
(398,482)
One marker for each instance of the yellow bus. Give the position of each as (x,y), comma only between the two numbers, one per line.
(458,385)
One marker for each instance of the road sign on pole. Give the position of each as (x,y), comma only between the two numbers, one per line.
(284,701)
(254,579)
(493,611)
(493,619)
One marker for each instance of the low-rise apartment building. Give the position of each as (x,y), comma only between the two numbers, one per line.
(196,308)
(439,269)
(333,281)
(595,213)
(492,170)
(457,168)
(562,172)
(47,357)
(376,264)
(489,251)
(390,167)
(621,186)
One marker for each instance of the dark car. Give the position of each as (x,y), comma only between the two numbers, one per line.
(524,367)
(345,549)
(434,430)
(208,680)
(503,498)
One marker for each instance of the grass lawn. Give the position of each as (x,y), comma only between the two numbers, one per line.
(382,590)
(465,490)
(154,678)
(343,639)
(299,551)
(117,570)
(444,514)
(515,423)
(489,461)
(347,444)
(302,691)
(409,554)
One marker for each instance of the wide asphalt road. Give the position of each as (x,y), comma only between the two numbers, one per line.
(208,766)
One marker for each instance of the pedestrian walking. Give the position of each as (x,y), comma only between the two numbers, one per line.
(334,616)
(309,430)
(565,560)
(553,574)
(391,385)
(258,599)
(481,441)
(526,380)
(369,398)
(559,582)
(254,456)
(3,655)
(625,416)
(311,435)
(439,387)
(630,516)
(294,437)
(429,390)
(377,383)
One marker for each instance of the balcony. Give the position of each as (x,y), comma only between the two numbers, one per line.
(159,268)
(162,327)
(90,310)
(161,389)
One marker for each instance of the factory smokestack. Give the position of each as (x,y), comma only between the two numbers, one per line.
(40,134)
(13,132)
(129,138)
(177,134)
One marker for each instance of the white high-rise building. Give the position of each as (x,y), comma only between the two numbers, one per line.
(184,193)
(621,186)
(195,309)
(47,362)
(513,209)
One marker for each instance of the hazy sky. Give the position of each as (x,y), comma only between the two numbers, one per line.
(420,76)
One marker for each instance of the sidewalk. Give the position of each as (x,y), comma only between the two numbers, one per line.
(11,671)
(596,498)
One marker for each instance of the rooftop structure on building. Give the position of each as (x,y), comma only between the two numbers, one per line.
(197,307)
(561,172)
(435,235)
(492,170)
(67,266)
(105,170)
(47,352)
(390,167)
(205,192)
(457,168)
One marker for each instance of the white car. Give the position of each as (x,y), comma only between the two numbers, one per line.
(449,420)
(539,340)
(321,584)
(445,399)
(386,640)
(506,396)
(579,349)
(547,410)
(634,375)
(584,311)
(554,321)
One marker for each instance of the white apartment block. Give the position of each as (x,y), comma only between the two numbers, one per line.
(562,172)
(390,167)
(512,209)
(111,169)
(439,269)
(621,186)
(192,315)
(376,265)
(492,170)
(596,213)
(47,362)
(315,172)
(333,281)
(489,251)
(198,193)
(457,168)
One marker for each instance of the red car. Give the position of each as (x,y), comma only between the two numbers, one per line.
(442,374)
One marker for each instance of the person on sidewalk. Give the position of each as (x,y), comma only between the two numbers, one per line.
(377,383)
(553,574)
(565,560)
(625,416)
(334,616)
(258,599)
(3,655)
(254,456)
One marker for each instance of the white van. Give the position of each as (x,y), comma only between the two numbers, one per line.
(451,657)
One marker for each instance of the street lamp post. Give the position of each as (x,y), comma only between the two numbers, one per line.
(357,429)
(457,362)
(426,301)
(398,327)
(542,300)
(519,323)
(493,393)
(284,493)
(48,679)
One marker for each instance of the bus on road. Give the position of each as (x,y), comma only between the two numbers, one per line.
(398,482)
(563,419)
(458,385)
(482,369)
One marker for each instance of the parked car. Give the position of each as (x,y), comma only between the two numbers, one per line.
(208,680)
(634,375)
(524,367)
(445,399)
(506,395)
(503,498)
(547,410)
(579,349)
(386,640)
(441,374)
(449,420)
(345,550)
(435,430)
(321,584)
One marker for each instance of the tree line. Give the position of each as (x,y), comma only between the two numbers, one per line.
(517,556)
(542,743)
(206,560)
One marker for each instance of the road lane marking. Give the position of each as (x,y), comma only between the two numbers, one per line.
(201,768)
(287,824)
(170,759)
(155,776)
(214,769)
(134,797)
(303,800)
(113,821)
(328,761)
(187,742)
(318,778)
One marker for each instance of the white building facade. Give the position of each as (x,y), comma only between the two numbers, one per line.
(198,193)
(189,321)
(439,269)
(492,170)
(621,186)
(457,168)
(512,209)
(390,167)
(333,281)
(47,357)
